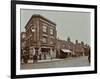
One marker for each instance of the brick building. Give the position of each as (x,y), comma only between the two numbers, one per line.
(41,37)
(68,48)
(64,48)
(79,48)
(23,45)
(23,40)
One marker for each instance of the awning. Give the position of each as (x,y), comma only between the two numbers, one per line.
(66,50)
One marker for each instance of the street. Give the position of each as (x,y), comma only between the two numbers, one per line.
(67,62)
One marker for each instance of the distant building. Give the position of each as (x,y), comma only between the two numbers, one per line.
(23,45)
(23,40)
(41,37)
(78,49)
(68,48)
(64,48)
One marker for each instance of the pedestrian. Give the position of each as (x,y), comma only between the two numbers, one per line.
(33,53)
(35,58)
(21,55)
(89,58)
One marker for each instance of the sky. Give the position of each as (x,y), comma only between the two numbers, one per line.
(75,25)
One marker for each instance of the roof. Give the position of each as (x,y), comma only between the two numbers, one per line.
(66,50)
(39,16)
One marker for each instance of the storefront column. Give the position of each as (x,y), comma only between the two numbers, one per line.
(33,51)
(51,53)
(39,53)
(83,54)
(54,53)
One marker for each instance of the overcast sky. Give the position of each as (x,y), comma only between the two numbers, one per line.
(75,25)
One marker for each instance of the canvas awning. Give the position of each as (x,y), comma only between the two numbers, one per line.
(66,50)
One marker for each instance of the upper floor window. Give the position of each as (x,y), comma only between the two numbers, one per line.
(51,31)
(51,41)
(64,45)
(44,40)
(44,28)
(23,36)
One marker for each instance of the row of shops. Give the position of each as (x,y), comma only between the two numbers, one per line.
(45,53)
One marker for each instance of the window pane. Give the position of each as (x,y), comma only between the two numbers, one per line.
(44,40)
(51,31)
(44,28)
(51,41)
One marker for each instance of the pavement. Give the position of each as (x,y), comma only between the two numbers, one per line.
(43,61)
(57,63)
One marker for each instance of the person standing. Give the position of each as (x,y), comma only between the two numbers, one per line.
(33,54)
(89,57)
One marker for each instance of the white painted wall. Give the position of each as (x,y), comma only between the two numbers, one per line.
(5,39)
